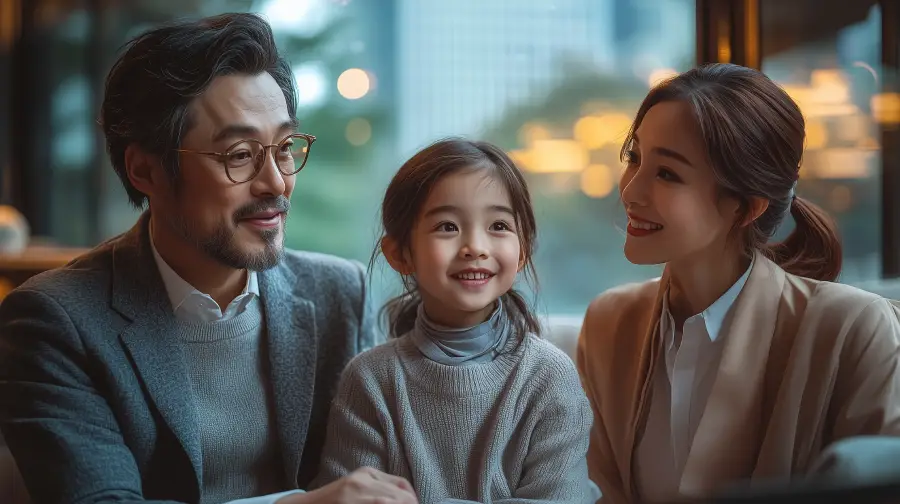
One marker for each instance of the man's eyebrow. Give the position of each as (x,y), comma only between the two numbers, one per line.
(240,131)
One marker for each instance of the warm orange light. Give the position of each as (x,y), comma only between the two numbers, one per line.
(830,86)
(353,83)
(557,156)
(597,181)
(828,95)
(852,128)
(886,108)
(10,23)
(522,158)
(660,75)
(615,128)
(838,163)
(724,45)
(532,132)
(590,131)
(816,135)
(358,131)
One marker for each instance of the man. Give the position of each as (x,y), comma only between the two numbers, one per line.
(191,359)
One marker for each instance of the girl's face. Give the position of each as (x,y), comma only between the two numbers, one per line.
(675,211)
(464,248)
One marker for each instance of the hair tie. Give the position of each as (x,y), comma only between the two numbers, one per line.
(791,195)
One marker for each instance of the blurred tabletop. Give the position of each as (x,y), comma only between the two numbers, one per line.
(17,268)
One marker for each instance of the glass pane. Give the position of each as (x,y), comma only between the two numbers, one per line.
(59,100)
(831,67)
(556,83)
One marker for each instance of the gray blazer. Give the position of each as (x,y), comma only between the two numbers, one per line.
(94,393)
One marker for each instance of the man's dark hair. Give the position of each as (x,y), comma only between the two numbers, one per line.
(149,88)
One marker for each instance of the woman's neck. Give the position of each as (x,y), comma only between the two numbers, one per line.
(694,285)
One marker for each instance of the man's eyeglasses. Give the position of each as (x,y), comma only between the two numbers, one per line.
(244,160)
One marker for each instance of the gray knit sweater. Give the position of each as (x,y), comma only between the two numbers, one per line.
(228,370)
(511,430)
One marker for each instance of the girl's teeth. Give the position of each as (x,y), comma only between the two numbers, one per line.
(472,276)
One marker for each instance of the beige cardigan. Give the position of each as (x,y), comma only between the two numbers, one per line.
(805,363)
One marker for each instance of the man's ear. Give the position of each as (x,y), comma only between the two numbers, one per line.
(396,257)
(144,170)
(756,207)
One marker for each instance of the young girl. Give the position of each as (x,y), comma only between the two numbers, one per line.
(464,401)
(744,361)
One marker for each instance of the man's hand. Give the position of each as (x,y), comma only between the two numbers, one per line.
(364,485)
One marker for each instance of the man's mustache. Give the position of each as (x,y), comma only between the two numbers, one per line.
(277,204)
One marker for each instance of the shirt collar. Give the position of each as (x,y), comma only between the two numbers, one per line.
(714,316)
(180,290)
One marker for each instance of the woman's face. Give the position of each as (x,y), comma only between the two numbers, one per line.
(675,211)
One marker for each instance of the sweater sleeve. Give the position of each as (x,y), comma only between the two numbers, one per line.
(555,468)
(355,435)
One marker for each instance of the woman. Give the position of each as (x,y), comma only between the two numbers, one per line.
(744,360)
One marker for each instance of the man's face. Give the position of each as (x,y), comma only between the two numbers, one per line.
(238,225)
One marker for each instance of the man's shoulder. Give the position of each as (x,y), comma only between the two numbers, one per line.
(78,292)
(86,276)
(324,270)
(321,264)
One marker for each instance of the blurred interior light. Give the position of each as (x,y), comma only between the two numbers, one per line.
(312,84)
(867,67)
(886,108)
(597,181)
(300,17)
(839,163)
(557,156)
(531,132)
(358,131)
(660,75)
(353,83)
(816,134)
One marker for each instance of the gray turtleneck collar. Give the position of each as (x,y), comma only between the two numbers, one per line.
(456,347)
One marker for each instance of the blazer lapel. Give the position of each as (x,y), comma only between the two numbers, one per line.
(727,441)
(139,295)
(643,386)
(291,336)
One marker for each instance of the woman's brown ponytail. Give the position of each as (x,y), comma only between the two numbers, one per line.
(813,249)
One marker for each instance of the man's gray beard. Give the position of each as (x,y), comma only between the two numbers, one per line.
(221,246)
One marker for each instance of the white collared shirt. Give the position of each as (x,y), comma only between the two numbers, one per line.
(191,305)
(691,361)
